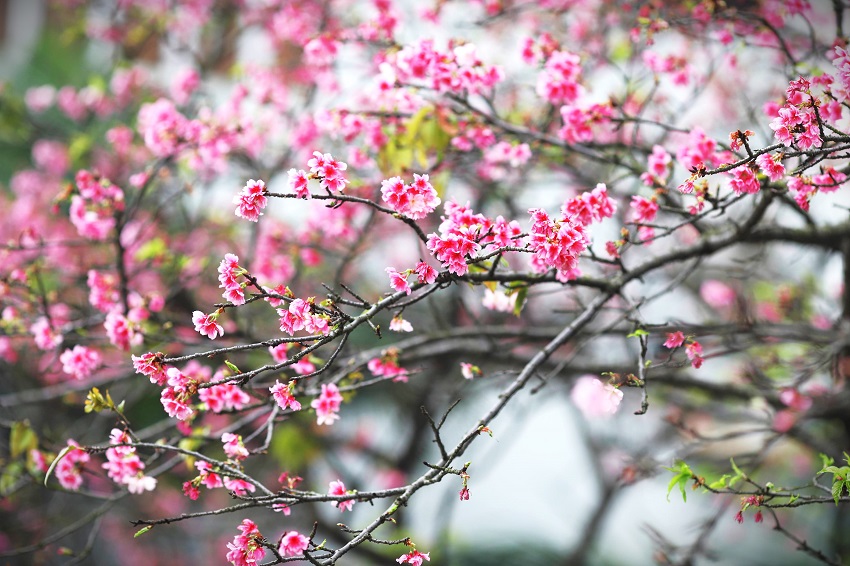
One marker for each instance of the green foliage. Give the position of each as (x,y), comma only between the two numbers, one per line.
(840,476)
(292,447)
(22,439)
(422,138)
(682,474)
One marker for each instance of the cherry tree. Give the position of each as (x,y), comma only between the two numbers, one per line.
(267,259)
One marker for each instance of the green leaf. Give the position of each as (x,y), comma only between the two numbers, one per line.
(737,470)
(79,146)
(521,296)
(22,439)
(232,367)
(682,474)
(639,332)
(837,488)
(152,249)
(826,460)
(411,127)
(142,531)
(720,483)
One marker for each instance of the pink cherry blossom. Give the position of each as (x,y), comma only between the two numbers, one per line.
(233,446)
(150,365)
(297,183)
(717,294)
(415,201)
(123,465)
(46,338)
(694,352)
(68,469)
(674,339)
(771,165)
(399,324)
(558,82)
(744,180)
(79,362)
(245,549)
(414,558)
(122,333)
(426,273)
(595,399)
(499,301)
(329,171)
(283,395)
(206,325)
(327,405)
(338,488)
(251,200)
(398,281)
(294,543)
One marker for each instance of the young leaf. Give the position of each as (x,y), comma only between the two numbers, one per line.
(142,531)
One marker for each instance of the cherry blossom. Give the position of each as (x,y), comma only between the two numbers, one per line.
(251,200)
(245,549)
(206,325)
(595,399)
(283,395)
(327,405)
(414,558)
(294,543)
(338,488)
(80,362)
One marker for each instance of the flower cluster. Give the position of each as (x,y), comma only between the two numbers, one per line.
(328,170)
(124,466)
(299,316)
(414,558)
(387,366)
(176,396)
(744,180)
(251,200)
(416,200)
(224,397)
(327,404)
(68,469)
(693,349)
(771,165)
(658,167)
(233,446)
(579,122)
(122,332)
(456,70)
(804,188)
(245,550)
(557,244)
(79,362)
(558,82)
(797,121)
(644,211)
(93,210)
(229,271)
(283,395)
